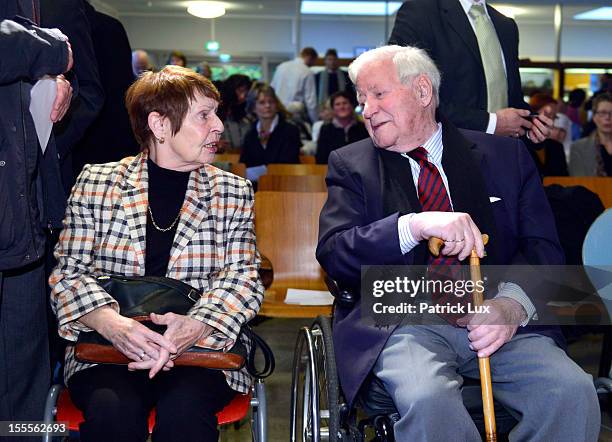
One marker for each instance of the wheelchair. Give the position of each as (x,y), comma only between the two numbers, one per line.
(319,411)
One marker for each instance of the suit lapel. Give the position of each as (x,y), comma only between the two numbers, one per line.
(398,191)
(194,211)
(462,163)
(134,198)
(455,17)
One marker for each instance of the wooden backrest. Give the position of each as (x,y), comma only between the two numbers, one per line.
(239,169)
(602,186)
(292,183)
(287,225)
(297,169)
(307,159)
(233,158)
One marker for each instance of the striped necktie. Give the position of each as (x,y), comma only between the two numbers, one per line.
(491,55)
(434,197)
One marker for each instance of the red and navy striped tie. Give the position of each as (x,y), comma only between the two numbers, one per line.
(434,197)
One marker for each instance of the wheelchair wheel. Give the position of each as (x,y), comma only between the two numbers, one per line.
(315,393)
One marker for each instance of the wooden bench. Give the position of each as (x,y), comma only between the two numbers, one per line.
(292,183)
(286,225)
(307,159)
(297,169)
(602,186)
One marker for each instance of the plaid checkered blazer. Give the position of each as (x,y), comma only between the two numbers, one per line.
(214,250)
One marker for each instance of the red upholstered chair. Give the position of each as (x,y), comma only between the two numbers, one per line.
(59,408)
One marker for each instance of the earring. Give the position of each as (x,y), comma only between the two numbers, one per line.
(161,140)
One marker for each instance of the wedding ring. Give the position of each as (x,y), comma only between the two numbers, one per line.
(455,240)
(142,355)
(516,135)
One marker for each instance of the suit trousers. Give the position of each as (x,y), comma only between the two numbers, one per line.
(116,403)
(422,367)
(24,352)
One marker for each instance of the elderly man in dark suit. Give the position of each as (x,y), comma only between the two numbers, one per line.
(476,49)
(381,209)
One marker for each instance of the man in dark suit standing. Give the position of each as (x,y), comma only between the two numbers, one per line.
(31,198)
(69,17)
(109,138)
(332,79)
(419,177)
(476,49)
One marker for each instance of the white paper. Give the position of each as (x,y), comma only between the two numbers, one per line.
(308,297)
(42,97)
(253,173)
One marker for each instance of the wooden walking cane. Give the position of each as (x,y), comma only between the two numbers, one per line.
(434,245)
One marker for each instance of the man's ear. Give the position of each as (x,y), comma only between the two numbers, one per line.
(159,125)
(423,90)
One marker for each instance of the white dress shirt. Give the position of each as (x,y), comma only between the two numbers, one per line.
(434,148)
(294,81)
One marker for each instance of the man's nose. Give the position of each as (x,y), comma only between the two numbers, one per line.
(368,110)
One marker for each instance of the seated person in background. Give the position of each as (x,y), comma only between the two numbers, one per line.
(272,139)
(297,118)
(325,116)
(233,110)
(203,68)
(141,62)
(575,111)
(592,156)
(415,178)
(177,58)
(165,212)
(344,128)
(554,163)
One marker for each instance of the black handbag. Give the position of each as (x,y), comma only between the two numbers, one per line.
(138,297)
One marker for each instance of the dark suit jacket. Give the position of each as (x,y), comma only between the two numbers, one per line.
(88,95)
(333,137)
(109,138)
(358,224)
(444,31)
(283,146)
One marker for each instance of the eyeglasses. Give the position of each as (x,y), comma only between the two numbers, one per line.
(603,114)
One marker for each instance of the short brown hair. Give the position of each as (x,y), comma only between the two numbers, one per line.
(601,98)
(309,52)
(169,92)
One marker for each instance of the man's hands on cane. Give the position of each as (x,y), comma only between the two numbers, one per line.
(456,229)
(490,330)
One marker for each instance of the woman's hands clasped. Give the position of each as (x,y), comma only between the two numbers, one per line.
(148,349)
(182,332)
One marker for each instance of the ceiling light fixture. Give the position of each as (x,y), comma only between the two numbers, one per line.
(206,9)
(603,13)
(348,7)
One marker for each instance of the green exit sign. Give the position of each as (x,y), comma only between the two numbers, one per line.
(212,46)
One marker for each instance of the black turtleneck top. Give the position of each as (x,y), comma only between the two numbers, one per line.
(166,195)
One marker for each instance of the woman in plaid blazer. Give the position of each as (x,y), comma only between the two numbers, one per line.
(166,212)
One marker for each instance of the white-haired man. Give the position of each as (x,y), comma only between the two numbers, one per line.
(419,177)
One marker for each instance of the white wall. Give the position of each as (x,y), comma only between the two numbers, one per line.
(244,36)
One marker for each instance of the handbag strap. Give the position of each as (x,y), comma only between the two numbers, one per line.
(268,357)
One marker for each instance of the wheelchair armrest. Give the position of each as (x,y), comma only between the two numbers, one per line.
(344,297)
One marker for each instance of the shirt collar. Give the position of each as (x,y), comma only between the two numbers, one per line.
(467,4)
(433,146)
(272,126)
